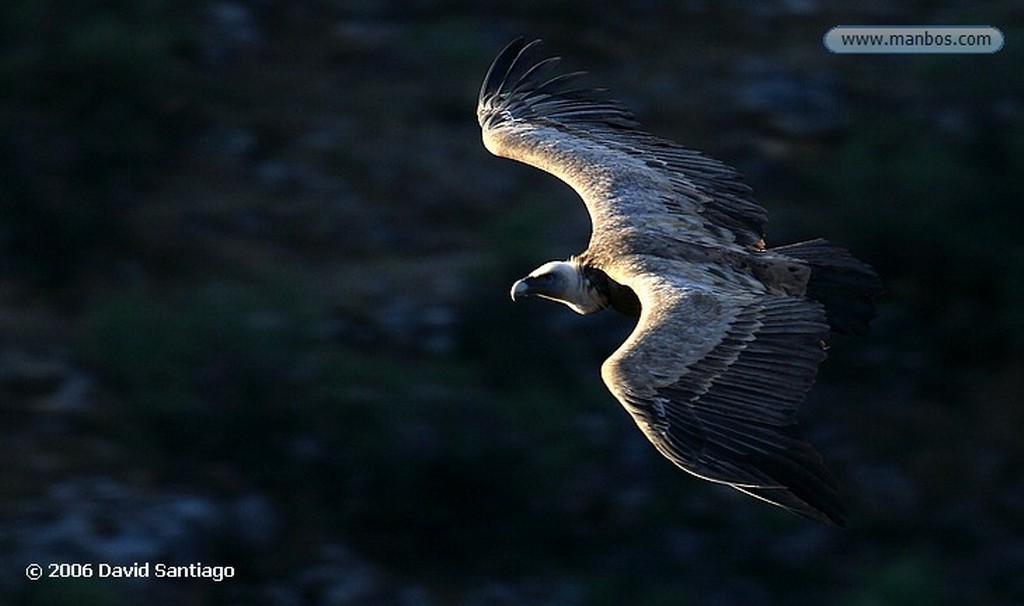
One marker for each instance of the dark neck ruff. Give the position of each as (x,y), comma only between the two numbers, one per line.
(621,298)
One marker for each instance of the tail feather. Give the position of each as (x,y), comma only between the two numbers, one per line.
(844,285)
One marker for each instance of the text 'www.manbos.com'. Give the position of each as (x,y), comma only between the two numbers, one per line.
(881,39)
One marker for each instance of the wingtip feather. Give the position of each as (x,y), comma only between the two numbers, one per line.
(514,83)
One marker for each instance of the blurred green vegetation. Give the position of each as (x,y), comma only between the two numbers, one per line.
(204,375)
(87,592)
(906,581)
(98,98)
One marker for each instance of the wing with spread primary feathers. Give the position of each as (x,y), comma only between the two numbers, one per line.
(715,382)
(627,177)
(717,365)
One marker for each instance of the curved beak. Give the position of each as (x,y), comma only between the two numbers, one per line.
(520,289)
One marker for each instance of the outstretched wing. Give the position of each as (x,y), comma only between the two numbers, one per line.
(714,381)
(627,177)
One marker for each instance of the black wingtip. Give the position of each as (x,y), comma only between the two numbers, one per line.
(516,83)
(828,513)
(502,66)
(804,487)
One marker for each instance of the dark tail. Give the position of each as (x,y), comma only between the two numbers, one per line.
(845,286)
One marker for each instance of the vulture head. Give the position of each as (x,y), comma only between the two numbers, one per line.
(561,281)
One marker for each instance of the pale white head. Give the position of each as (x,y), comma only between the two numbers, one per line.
(561,281)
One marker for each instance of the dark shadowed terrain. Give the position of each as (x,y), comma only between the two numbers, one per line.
(254,272)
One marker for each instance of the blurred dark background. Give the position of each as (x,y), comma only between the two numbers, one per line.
(254,265)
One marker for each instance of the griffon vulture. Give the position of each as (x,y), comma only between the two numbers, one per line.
(729,332)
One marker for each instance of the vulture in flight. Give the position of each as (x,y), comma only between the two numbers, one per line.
(730,332)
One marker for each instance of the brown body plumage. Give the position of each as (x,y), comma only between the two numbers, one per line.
(729,333)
